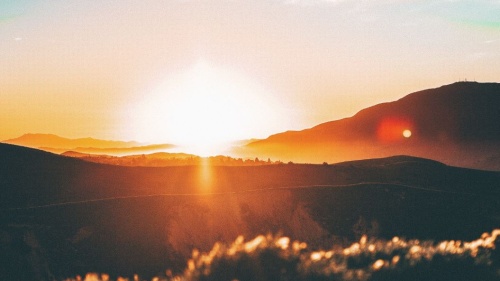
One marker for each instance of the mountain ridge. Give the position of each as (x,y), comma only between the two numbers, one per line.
(457,87)
(456,124)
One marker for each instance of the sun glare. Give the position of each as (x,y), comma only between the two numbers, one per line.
(394,129)
(203,110)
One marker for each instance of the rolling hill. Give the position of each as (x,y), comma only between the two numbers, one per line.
(62,216)
(456,124)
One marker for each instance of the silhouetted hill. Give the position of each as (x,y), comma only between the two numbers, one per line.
(456,124)
(64,216)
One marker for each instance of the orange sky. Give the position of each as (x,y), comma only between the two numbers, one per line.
(92,68)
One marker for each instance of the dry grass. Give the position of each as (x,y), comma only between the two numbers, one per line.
(278,258)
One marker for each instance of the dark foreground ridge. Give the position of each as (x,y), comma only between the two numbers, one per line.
(267,258)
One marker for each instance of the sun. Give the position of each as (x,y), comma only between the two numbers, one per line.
(406,133)
(204,109)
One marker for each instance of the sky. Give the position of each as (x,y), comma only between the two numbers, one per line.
(174,71)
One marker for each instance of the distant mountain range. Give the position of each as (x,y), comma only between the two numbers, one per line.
(57,144)
(50,140)
(457,124)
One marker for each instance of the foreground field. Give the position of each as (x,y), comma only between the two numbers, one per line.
(267,258)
